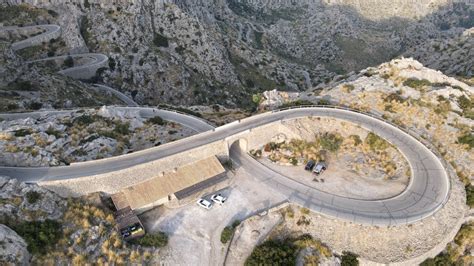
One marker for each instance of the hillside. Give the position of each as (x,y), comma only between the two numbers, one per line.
(187,53)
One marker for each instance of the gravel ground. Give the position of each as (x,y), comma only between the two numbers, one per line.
(195,232)
(340,180)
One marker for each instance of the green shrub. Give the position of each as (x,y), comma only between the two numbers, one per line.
(467,139)
(158,240)
(394,97)
(122,129)
(68,62)
(160,40)
(23,132)
(21,86)
(470,195)
(348,87)
(441,259)
(296,103)
(52,131)
(228,232)
(330,141)
(465,103)
(33,196)
(84,120)
(293,161)
(273,252)
(157,120)
(349,259)
(35,105)
(39,235)
(356,138)
(416,83)
(375,142)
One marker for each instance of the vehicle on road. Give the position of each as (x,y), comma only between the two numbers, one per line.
(310,165)
(218,198)
(319,168)
(204,204)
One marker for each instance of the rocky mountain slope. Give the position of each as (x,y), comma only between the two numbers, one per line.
(38,227)
(82,135)
(187,52)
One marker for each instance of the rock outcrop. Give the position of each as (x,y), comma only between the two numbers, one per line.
(12,247)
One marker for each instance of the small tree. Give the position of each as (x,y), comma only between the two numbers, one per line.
(349,259)
(69,62)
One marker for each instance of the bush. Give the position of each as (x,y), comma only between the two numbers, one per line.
(416,83)
(52,131)
(228,232)
(39,235)
(23,132)
(35,105)
(33,196)
(84,120)
(331,142)
(467,139)
(273,252)
(296,103)
(349,259)
(158,240)
(160,40)
(440,260)
(394,97)
(22,86)
(356,138)
(68,62)
(348,87)
(122,129)
(470,195)
(157,120)
(375,142)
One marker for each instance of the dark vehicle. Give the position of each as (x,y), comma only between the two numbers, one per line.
(310,165)
(320,168)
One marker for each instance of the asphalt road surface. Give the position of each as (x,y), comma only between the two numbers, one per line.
(426,193)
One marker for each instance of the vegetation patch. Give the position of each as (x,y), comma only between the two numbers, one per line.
(32,197)
(349,259)
(416,83)
(330,141)
(467,139)
(296,103)
(157,240)
(228,232)
(23,132)
(160,40)
(40,236)
(285,251)
(157,120)
(375,142)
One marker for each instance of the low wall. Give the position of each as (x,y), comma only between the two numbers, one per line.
(113,182)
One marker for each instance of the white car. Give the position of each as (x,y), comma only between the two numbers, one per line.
(218,198)
(204,203)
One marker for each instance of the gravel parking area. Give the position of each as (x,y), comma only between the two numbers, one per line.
(338,179)
(194,232)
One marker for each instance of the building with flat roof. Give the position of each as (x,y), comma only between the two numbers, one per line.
(177,184)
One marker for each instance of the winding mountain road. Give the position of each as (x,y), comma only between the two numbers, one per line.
(427,192)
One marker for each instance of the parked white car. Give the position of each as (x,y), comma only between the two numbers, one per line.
(218,198)
(204,203)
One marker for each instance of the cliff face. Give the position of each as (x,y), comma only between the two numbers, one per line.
(223,51)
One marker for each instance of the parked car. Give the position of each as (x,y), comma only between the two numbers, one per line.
(204,203)
(218,198)
(319,168)
(310,165)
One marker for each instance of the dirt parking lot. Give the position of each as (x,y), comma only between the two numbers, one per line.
(194,232)
(338,179)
